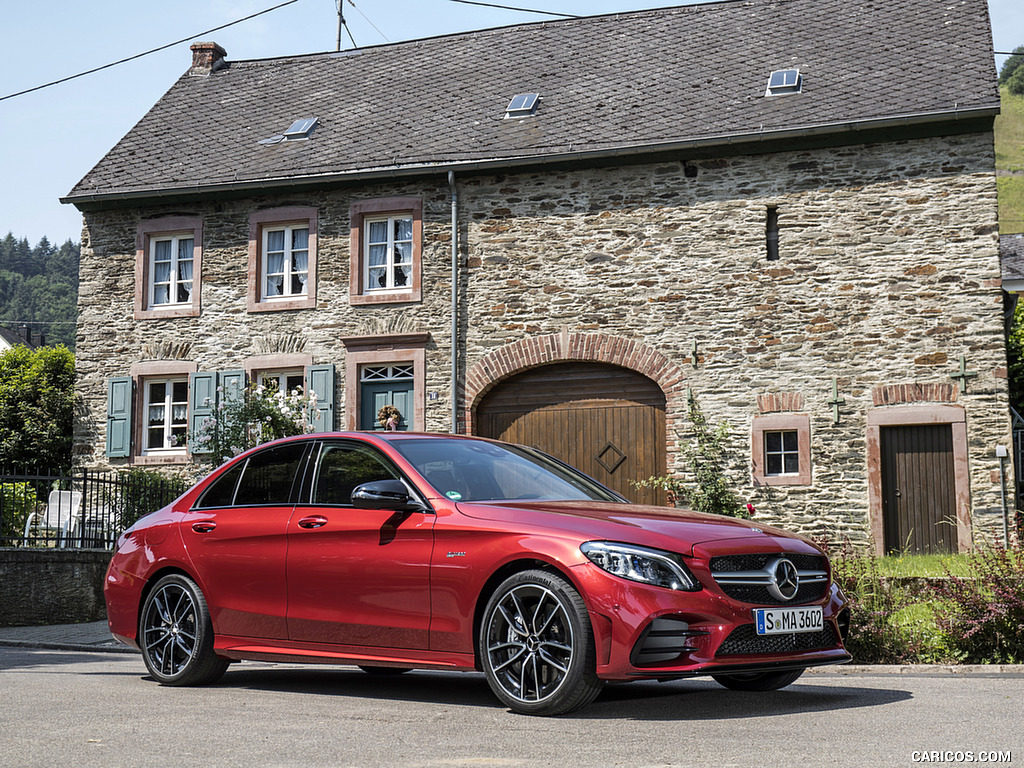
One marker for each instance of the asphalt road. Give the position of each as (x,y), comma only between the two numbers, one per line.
(70,709)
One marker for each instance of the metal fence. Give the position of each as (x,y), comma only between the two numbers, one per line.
(82,509)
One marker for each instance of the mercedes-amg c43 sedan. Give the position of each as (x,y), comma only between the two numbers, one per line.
(394,551)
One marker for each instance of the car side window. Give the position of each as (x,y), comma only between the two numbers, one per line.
(221,492)
(341,468)
(269,476)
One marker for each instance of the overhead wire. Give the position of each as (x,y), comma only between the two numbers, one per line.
(147,53)
(513,8)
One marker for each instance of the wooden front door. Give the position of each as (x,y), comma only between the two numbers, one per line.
(918,488)
(606,421)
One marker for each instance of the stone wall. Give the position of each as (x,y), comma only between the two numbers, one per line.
(51,586)
(888,274)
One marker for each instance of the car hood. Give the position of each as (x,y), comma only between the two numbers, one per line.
(676,530)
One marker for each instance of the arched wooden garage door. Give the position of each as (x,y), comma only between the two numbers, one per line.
(605,420)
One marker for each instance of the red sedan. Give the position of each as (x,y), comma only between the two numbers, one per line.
(394,551)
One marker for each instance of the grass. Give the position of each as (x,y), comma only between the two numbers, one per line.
(1009,130)
(923,565)
(1009,141)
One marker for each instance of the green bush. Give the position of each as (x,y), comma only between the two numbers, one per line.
(883,628)
(17,502)
(982,615)
(257,415)
(143,491)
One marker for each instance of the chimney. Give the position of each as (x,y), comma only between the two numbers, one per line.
(38,340)
(207,58)
(25,333)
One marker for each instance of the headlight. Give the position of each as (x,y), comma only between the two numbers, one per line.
(648,566)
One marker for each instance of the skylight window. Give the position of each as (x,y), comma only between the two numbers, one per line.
(783,81)
(300,129)
(522,105)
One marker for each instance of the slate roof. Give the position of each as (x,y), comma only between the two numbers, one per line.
(672,77)
(1011,254)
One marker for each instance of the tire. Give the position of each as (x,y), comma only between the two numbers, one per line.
(176,634)
(537,646)
(759,681)
(384,671)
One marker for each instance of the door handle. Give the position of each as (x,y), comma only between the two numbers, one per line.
(204,526)
(313,521)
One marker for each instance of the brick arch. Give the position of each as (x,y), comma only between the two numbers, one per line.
(567,346)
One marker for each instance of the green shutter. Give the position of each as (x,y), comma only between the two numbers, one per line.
(320,379)
(119,417)
(202,405)
(231,385)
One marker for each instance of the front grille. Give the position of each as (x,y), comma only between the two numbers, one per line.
(758,594)
(744,640)
(757,561)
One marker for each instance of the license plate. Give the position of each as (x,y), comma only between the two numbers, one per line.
(779,621)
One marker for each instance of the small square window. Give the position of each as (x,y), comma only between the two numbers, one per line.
(781,453)
(781,449)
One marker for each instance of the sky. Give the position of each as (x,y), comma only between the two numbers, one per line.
(52,137)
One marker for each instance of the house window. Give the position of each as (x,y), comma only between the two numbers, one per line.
(166,410)
(282,259)
(170,270)
(781,449)
(285,262)
(388,254)
(781,452)
(282,381)
(168,264)
(386,250)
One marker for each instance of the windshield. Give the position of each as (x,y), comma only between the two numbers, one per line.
(471,470)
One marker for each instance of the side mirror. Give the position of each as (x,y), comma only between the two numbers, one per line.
(383,494)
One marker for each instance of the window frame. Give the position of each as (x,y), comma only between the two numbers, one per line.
(142,375)
(780,422)
(274,219)
(148,233)
(168,404)
(363,213)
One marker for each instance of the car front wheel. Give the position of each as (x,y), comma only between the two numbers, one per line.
(176,634)
(759,681)
(537,645)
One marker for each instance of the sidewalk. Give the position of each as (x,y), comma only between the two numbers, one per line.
(94,636)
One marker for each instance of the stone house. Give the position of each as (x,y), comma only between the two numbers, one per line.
(564,233)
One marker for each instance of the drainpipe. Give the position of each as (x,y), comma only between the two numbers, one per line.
(455,304)
(1001,454)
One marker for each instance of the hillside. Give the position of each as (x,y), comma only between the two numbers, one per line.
(1009,130)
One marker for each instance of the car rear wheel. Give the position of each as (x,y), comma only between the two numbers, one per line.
(759,681)
(537,645)
(176,634)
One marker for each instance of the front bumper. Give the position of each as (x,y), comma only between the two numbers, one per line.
(643,632)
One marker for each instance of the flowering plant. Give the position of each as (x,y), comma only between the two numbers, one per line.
(389,417)
(256,415)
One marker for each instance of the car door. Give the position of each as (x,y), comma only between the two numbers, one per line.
(357,576)
(236,537)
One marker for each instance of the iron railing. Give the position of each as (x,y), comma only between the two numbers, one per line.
(81,509)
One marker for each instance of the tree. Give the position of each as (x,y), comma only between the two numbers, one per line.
(37,394)
(1011,65)
(1015,359)
(706,489)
